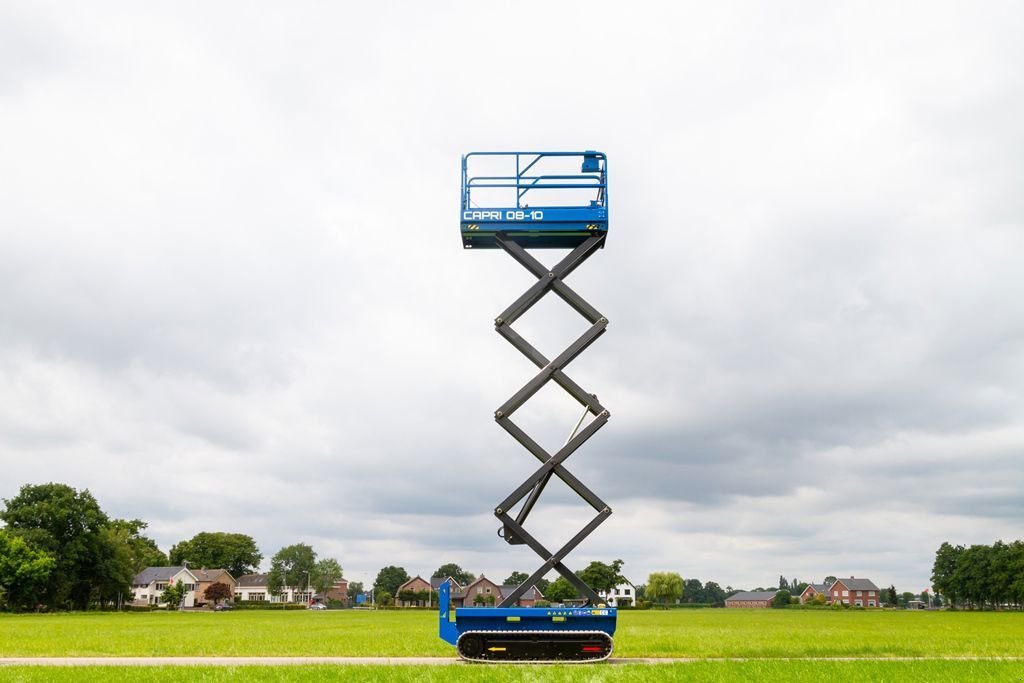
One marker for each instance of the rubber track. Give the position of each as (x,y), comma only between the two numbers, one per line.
(536,661)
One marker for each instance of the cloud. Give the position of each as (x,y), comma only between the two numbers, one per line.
(233,298)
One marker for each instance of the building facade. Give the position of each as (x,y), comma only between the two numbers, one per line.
(855,592)
(751,599)
(623,595)
(149,585)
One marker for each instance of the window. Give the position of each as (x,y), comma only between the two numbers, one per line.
(860,593)
(871,603)
(859,603)
(190,586)
(488,589)
(835,594)
(871,594)
(846,593)
(626,592)
(161,586)
(259,597)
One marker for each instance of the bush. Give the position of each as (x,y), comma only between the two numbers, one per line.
(542,603)
(266,604)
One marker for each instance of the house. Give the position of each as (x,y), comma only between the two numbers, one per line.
(751,599)
(404,596)
(207,577)
(483,592)
(339,592)
(854,591)
(148,585)
(622,595)
(457,590)
(812,590)
(252,588)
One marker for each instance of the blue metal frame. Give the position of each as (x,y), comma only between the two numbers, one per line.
(454,621)
(536,226)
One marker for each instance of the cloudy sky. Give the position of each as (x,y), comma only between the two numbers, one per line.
(233,296)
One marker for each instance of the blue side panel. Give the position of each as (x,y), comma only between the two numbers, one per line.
(456,621)
(449,632)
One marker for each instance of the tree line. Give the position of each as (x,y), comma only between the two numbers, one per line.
(60,551)
(980,576)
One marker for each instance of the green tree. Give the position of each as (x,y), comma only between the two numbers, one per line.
(174,594)
(325,574)
(69,526)
(602,577)
(389,579)
(354,589)
(24,573)
(783,584)
(382,597)
(781,598)
(972,578)
(542,586)
(694,591)
(217,591)
(944,571)
(218,550)
(664,587)
(290,567)
(893,598)
(453,570)
(829,580)
(560,590)
(142,551)
(516,578)
(714,594)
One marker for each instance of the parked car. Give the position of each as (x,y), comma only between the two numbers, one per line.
(318,606)
(223,607)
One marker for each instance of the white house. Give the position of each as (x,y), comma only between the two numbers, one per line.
(254,587)
(149,585)
(623,594)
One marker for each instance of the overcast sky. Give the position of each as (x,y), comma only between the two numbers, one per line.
(233,296)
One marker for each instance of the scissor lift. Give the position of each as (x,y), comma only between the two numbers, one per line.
(570,211)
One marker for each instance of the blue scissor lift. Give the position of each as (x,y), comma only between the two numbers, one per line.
(538,200)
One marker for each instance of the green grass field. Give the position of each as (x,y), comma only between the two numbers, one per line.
(771,638)
(852,672)
(679,633)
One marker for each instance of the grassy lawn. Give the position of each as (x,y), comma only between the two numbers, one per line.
(932,672)
(680,633)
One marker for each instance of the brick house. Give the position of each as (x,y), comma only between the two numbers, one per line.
(748,599)
(855,592)
(812,590)
(339,592)
(416,584)
(484,587)
(207,577)
(149,585)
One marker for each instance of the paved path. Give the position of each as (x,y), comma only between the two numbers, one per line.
(424,661)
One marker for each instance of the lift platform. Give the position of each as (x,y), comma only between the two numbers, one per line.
(544,200)
(526,634)
(574,215)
